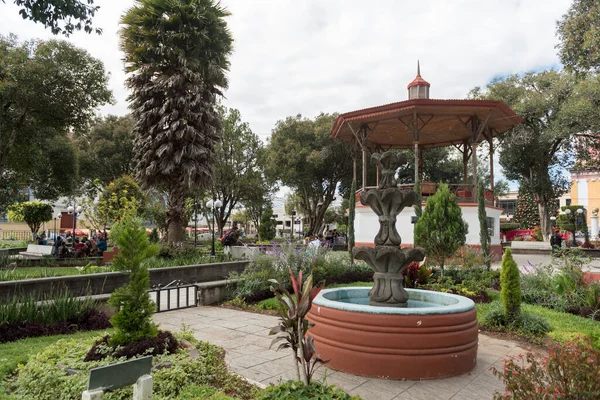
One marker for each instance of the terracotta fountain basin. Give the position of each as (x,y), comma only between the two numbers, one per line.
(434,337)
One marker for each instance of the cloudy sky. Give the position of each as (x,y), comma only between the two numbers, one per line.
(308,56)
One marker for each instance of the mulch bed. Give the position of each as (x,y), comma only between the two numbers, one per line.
(91,320)
(165,341)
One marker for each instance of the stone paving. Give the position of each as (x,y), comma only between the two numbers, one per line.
(245,337)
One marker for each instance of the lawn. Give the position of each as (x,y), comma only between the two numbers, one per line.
(565,326)
(14,353)
(36,272)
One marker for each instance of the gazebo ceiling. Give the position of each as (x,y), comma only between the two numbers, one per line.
(440,123)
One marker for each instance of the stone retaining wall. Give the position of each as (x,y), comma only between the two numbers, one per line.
(107,282)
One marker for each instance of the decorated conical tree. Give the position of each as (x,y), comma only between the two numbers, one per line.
(526,211)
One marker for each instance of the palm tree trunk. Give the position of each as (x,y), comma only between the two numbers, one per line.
(175,214)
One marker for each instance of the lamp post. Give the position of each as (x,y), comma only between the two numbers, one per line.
(195,222)
(56,218)
(579,215)
(212,205)
(293,214)
(75,212)
(553,219)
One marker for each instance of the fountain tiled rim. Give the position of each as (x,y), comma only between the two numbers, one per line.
(449,303)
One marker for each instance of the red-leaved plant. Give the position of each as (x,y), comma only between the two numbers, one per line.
(571,371)
(416,274)
(293,326)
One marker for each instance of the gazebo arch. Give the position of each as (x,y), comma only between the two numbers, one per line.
(420,123)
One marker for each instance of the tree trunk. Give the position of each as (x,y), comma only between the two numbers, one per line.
(175,214)
(545,222)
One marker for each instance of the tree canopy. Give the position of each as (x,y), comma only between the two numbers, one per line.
(303,156)
(579,47)
(555,107)
(47,88)
(33,213)
(61,16)
(106,149)
(177,55)
(239,166)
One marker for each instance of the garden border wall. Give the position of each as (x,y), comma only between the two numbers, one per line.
(107,282)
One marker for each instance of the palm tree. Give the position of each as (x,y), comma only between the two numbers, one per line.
(176,52)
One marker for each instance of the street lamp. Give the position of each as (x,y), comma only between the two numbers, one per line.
(553,219)
(195,222)
(293,214)
(56,218)
(212,205)
(75,212)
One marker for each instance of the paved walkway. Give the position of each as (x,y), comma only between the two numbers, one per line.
(245,337)
(536,259)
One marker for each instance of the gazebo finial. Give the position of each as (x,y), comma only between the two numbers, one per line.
(418,68)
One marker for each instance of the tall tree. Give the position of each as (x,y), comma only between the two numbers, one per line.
(33,213)
(303,156)
(555,107)
(239,166)
(61,16)
(46,89)
(176,53)
(579,47)
(106,149)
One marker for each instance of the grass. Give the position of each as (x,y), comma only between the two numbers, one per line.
(565,326)
(14,353)
(36,272)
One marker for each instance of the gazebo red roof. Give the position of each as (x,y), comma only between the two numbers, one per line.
(441,122)
(418,81)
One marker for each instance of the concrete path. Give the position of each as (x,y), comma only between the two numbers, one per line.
(536,259)
(245,337)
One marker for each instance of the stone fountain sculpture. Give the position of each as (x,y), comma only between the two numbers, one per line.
(387,259)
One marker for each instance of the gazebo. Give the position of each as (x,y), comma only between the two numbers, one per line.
(421,123)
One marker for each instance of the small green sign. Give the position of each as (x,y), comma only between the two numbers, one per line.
(115,376)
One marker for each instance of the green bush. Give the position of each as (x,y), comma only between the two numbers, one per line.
(293,390)
(510,287)
(533,325)
(509,226)
(526,324)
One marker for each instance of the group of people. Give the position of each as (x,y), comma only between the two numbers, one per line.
(330,238)
(72,247)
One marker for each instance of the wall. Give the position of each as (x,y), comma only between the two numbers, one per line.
(367,224)
(108,282)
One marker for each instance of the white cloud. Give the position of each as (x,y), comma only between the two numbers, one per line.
(341,55)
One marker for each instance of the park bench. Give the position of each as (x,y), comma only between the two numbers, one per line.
(36,251)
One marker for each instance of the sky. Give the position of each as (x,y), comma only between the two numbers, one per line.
(311,56)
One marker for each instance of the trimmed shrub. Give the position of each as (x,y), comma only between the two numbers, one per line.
(164,343)
(133,321)
(510,287)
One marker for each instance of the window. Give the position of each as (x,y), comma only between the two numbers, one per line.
(490,224)
(508,206)
(568,202)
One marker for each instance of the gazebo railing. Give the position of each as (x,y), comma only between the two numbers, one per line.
(465,193)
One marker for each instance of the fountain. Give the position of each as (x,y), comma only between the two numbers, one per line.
(389,331)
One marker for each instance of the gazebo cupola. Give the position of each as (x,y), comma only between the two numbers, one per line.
(419,87)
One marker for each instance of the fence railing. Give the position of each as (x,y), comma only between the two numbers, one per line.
(15,235)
